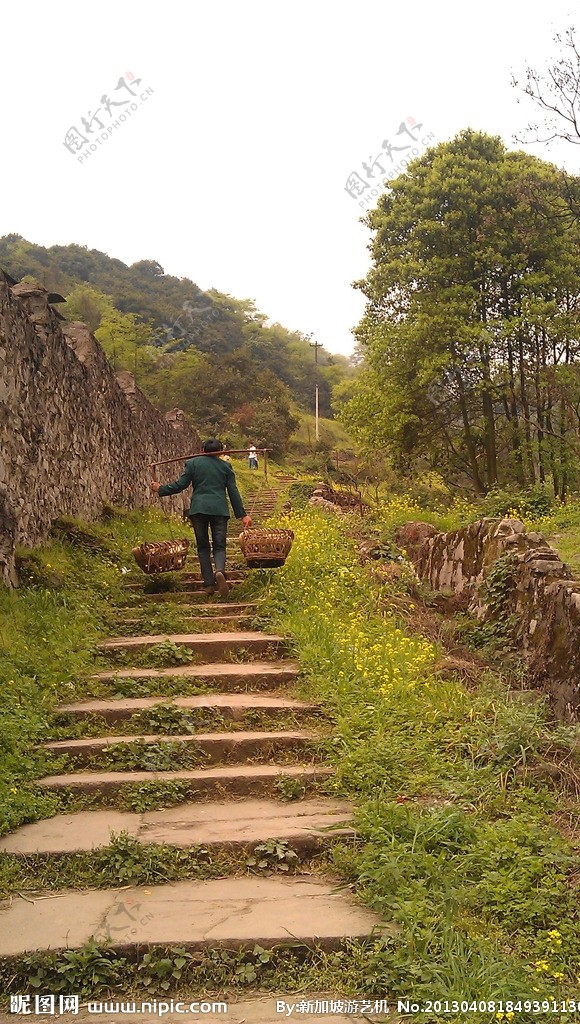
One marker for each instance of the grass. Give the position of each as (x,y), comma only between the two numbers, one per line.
(50,629)
(95,970)
(126,861)
(466,844)
(461,847)
(331,433)
(558,522)
(172,720)
(561,528)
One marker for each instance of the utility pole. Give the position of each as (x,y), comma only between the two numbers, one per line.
(315,345)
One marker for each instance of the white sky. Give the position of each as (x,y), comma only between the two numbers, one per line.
(233,171)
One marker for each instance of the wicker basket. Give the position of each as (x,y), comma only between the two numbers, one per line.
(165,556)
(265,549)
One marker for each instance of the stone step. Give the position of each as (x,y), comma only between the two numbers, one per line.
(233,706)
(231,607)
(233,575)
(210,646)
(214,747)
(193,597)
(227,620)
(266,675)
(189,587)
(230,780)
(224,823)
(196,915)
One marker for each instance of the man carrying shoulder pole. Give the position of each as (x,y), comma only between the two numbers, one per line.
(211,478)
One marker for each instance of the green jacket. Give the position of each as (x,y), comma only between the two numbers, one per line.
(210,477)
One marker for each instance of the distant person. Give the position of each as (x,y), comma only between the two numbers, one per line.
(252,457)
(210,478)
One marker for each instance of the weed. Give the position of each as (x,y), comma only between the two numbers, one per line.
(289,788)
(148,686)
(444,779)
(150,796)
(171,719)
(165,653)
(274,854)
(81,971)
(145,756)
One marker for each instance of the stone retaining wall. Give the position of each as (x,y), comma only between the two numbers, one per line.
(544,598)
(73,436)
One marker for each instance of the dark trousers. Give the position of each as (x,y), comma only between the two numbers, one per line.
(219,527)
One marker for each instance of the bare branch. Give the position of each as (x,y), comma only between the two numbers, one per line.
(557,93)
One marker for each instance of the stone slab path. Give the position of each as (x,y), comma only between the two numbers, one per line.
(277,757)
(215,746)
(225,912)
(229,705)
(224,822)
(208,645)
(227,674)
(235,780)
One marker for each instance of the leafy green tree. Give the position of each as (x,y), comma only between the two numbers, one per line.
(88,305)
(469,303)
(124,339)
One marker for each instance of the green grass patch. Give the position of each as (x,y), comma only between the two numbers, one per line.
(171,720)
(95,970)
(126,861)
(50,630)
(461,850)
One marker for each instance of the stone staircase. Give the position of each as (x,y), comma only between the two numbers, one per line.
(250,744)
(263,504)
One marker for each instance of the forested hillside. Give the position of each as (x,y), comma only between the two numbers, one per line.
(207,352)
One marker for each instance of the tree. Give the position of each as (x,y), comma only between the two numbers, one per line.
(89,305)
(147,269)
(124,338)
(556,92)
(271,426)
(470,299)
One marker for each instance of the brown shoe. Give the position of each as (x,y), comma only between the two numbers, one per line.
(221,584)
(208,590)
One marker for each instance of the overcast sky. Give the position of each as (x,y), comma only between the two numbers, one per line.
(230,167)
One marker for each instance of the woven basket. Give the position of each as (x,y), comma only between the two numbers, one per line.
(165,556)
(265,549)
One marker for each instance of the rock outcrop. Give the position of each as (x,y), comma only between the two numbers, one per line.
(538,592)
